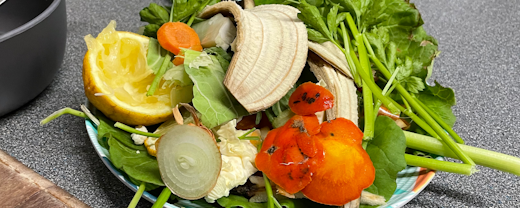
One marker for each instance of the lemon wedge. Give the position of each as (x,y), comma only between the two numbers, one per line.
(116,78)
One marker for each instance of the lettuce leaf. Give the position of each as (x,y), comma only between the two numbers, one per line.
(210,97)
(386,151)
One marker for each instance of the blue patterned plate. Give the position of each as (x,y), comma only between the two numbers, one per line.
(410,181)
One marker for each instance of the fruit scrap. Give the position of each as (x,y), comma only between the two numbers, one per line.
(326,162)
(310,98)
(282,158)
(346,169)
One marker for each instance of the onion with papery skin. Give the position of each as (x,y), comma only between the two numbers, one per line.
(189,161)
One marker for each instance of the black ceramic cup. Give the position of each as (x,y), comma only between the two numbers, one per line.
(32,45)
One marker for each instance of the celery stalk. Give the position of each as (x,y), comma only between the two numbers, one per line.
(487,158)
(434,164)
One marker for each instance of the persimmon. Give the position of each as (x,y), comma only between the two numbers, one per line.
(310,98)
(289,156)
(346,169)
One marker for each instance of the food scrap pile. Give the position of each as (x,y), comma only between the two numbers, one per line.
(273,103)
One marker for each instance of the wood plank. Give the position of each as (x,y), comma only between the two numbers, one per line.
(22,187)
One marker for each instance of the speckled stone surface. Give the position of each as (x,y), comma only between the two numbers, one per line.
(480,60)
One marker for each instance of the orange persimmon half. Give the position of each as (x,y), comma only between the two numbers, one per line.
(310,98)
(346,169)
(289,155)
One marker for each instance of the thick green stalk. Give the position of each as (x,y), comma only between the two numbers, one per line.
(441,122)
(135,131)
(487,158)
(137,195)
(434,164)
(427,118)
(159,74)
(61,112)
(163,198)
(368,106)
(269,191)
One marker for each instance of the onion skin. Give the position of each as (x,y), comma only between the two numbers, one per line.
(189,161)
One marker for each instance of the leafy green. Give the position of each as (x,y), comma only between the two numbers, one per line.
(223,57)
(240,201)
(155,14)
(386,151)
(107,131)
(155,56)
(281,109)
(136,163)
(149,186)
(311,16)
(316,36)
(211,98)
(439,99)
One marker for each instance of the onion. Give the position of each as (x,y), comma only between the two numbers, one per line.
(189,161)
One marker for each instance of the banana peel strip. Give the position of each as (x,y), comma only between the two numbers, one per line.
(271,51)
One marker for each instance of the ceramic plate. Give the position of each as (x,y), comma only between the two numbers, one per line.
(410,182)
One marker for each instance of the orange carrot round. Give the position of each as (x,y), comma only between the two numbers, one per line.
(173,36)
(310,98)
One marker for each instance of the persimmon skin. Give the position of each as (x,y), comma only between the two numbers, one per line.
(282,158)
(346,168)
(310,98)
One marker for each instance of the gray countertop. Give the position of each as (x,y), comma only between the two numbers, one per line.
(480,60)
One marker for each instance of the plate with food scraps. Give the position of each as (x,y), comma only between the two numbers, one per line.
(410,181)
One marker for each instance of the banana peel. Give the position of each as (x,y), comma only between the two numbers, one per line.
(270,53)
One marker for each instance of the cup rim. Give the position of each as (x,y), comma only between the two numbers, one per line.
(30,24)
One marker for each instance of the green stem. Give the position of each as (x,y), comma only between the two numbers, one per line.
(427,118)
(192,18)
(171,10)
(269,191)
(487,158)
(346,42)
(441,122)
(434,164)
(163,198)
(135,131)
(368,105)
(159,75)
(61,112)
(137,195)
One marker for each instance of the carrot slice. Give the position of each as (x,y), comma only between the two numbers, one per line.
(310,98)
(173,36)
(346,169)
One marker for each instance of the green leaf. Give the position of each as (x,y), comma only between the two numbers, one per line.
(223,57)
(355,7)
(107,131)
(316,36)
(151,30)
(412,84)
(183,9)
(155,56)
(439,99)
(138,164)
(154,14)
(211,98)
(386,151)
(238,201)
(311,16)
(148,186)
(331,20)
